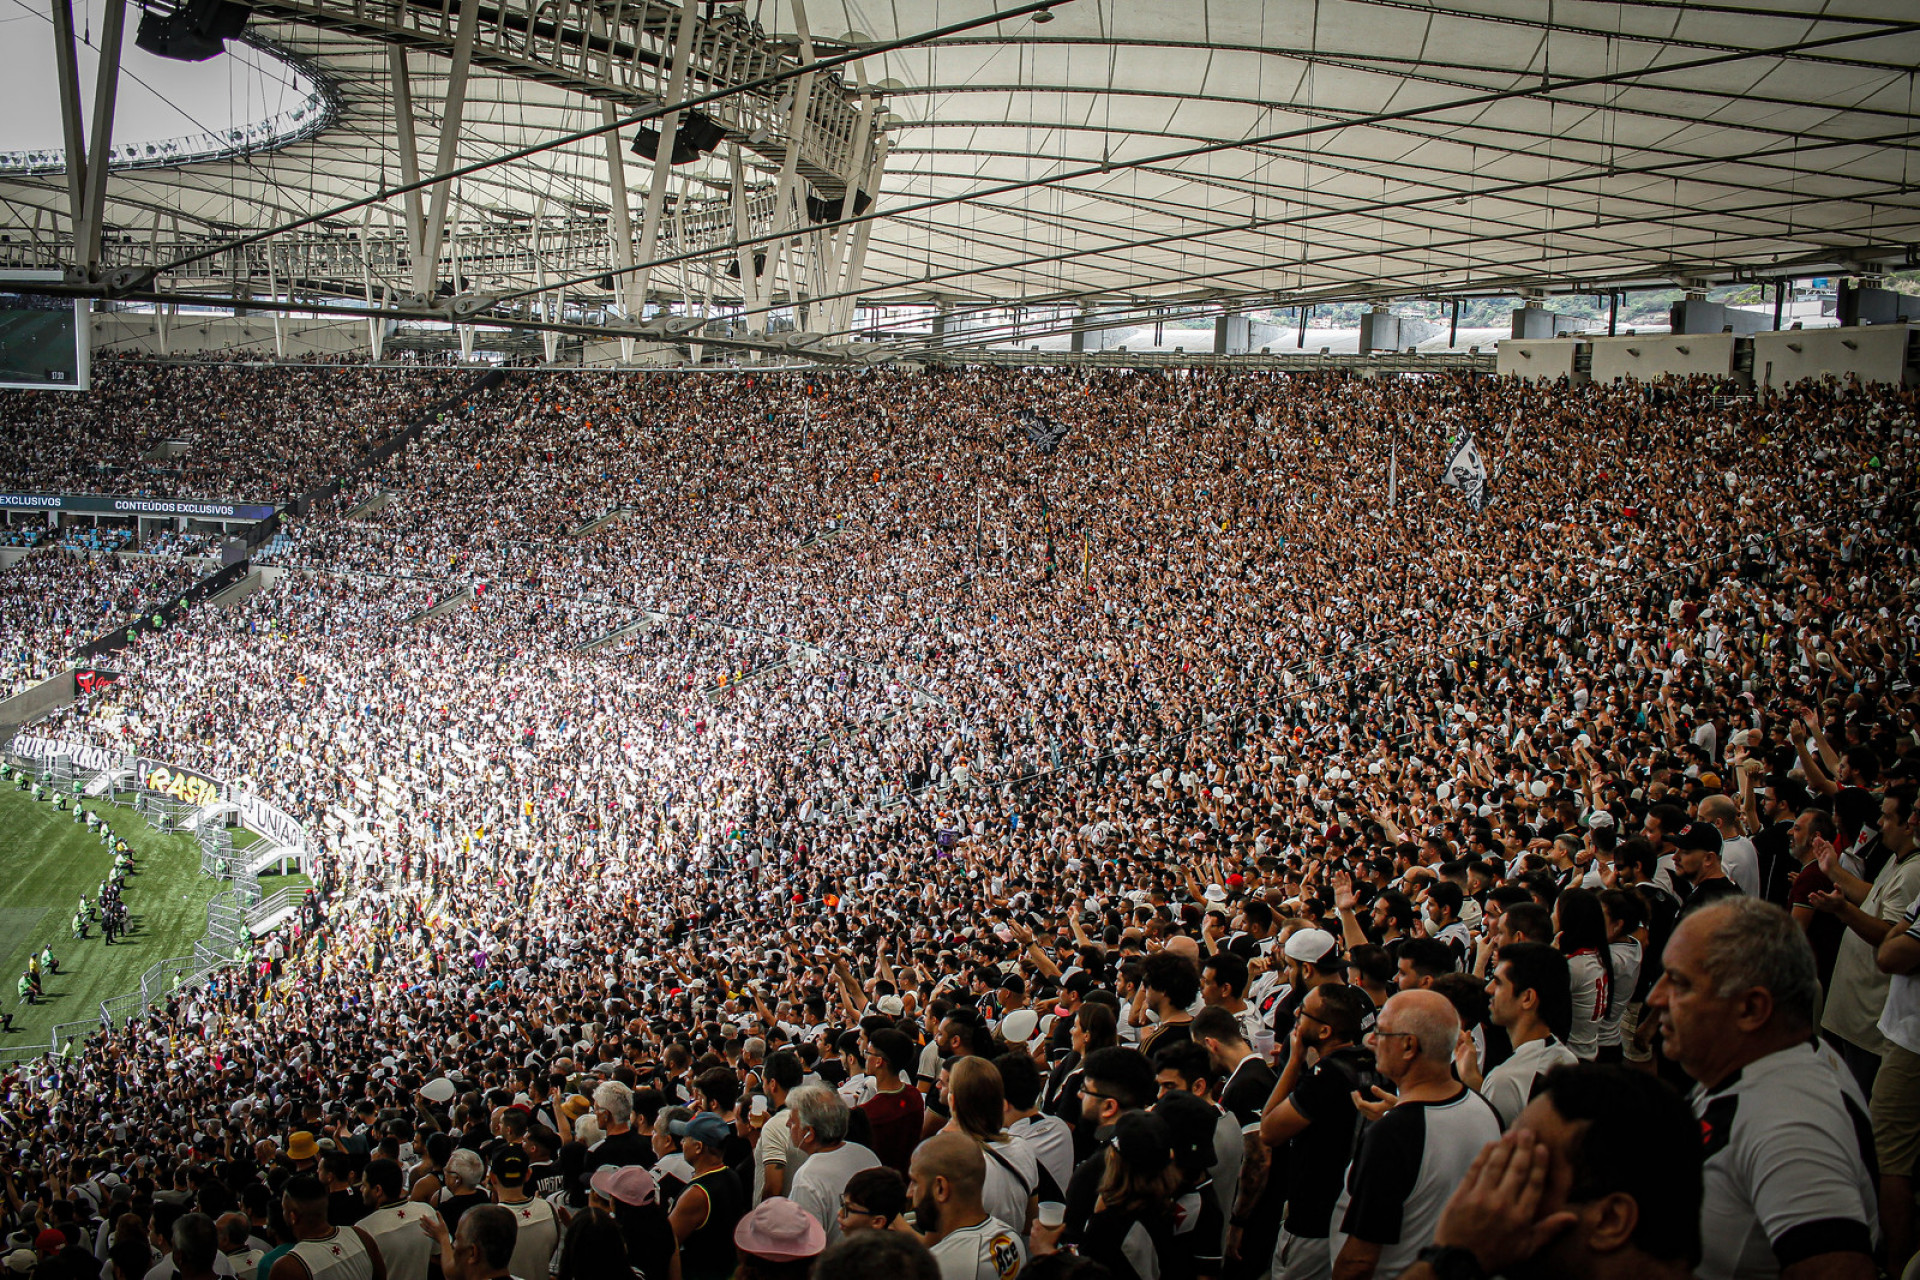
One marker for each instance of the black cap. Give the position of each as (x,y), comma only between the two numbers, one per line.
(1144,1142)
(510,1165)
(1191,1123)
(1698,835)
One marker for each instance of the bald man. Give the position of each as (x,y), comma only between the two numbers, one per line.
(234,1229)
(947,1175)
(1738,856)
(1410,1161)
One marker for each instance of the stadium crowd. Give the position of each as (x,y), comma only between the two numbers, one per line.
(188,430)
(1183,840)
(55,600)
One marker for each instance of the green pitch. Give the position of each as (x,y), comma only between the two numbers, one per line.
(46,862)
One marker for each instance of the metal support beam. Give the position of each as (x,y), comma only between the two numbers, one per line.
(377,328)
(1304,313)
(663,155)
(848,287)
(87,235)
(448,149)
(1453,326)
(1613,312)
(1779,301)
(278,318)
(409,155)
(743,255)
(786,194)
(72,125)
(622,221)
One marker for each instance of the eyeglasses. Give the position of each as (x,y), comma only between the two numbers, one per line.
(1378,1034)
(1095,1094)
(853,1210)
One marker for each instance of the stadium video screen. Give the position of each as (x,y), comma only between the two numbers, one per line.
(43,339)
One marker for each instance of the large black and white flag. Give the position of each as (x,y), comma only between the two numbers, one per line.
(1044,433)
(1467,471)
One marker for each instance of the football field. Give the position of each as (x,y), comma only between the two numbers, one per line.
(46,862)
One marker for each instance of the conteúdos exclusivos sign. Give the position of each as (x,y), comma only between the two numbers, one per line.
(96,504)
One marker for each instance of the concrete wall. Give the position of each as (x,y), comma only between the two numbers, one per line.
(1654,355)
(1379,331)
(1536,323)
(30,704)
(1696,315)
(1541,360)
(188,334)
(1875,353)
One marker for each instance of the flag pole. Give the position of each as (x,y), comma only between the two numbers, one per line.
(1393,467)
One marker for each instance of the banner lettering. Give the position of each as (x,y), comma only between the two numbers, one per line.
(107,504)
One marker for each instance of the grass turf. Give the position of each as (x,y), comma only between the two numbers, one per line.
(46,863)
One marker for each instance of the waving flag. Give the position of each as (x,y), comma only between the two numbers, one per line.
(1466,471)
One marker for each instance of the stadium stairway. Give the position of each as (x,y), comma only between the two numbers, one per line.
(601,521)
(432,611)
(377,502)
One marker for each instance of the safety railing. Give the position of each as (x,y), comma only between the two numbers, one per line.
(273,905)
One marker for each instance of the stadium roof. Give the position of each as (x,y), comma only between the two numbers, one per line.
(1129,152)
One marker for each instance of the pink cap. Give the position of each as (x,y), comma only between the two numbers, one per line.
(629,1184)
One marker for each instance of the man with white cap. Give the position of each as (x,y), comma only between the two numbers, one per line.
(1313,960)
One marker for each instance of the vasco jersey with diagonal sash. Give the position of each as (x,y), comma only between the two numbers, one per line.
(1789,1166)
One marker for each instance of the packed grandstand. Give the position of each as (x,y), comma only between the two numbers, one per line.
(753,811)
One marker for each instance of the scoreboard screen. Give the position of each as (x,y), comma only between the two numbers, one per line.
(43,339)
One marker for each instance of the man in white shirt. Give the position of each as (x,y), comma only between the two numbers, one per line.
(393,1223)
(1049,1137)
(1896,1087)
(1738,857)
(536,1229)
(947,1176)
(1532,998)
(240,1254)
(819,1123)
(1786,1187)
(776,1160)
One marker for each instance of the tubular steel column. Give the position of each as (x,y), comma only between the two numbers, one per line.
(663,155)
(71,113)
(623,281)
(448,149)
(409,162)
(87,233)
